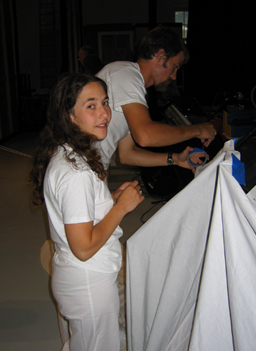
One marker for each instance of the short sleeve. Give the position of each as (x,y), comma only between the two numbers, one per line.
(127,87)
(76,197)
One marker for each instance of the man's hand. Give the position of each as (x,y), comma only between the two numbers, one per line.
(181,158)
(207,133)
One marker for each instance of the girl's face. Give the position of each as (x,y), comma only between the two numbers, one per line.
(91,112)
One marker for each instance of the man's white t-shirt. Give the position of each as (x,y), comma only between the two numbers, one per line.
(125,85)
(77,195)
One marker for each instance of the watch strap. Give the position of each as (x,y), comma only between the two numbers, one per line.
(169,159)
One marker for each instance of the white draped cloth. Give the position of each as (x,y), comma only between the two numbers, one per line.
(191,269)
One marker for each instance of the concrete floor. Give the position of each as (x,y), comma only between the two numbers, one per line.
(28,318)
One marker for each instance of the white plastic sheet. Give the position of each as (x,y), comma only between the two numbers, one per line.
(191,269)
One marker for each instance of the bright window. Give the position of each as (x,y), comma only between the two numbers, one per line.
(182,17)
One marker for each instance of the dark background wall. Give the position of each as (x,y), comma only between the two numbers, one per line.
(222,44)
(68,17)
(41,38)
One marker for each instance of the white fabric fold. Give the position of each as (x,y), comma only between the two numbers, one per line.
(191,269)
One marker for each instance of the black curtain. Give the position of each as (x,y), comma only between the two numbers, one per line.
(222,45)
(71,33)
(9,114)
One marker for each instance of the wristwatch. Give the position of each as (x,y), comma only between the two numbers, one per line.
(169,159)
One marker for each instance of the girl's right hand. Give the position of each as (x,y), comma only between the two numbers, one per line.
(130,197)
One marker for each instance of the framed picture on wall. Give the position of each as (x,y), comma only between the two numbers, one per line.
(116,42)
(115,46)
(113,42)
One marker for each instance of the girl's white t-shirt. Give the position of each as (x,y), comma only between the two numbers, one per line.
(76,195)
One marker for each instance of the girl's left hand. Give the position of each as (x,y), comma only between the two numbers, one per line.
(117,192)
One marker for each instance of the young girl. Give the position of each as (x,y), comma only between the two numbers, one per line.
(83,216)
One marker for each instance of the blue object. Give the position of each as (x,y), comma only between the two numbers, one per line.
(196,151)
(238,170)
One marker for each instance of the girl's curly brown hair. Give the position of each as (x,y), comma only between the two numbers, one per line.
(60,130)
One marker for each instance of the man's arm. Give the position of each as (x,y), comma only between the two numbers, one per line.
(132,155)
(148,133)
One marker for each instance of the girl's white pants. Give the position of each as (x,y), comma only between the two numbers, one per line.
(90,302)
